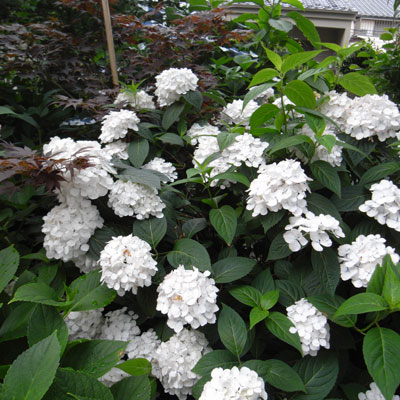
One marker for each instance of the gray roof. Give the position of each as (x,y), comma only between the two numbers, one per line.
(373,8)
(329,5)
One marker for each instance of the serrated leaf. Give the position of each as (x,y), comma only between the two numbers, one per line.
(194,98)
(138,150)
(262,76)
(89,293)
(271,219)
(379,172)
(98,241)
(136,366)
(9,261)
(306,26)
(43,322)
(269,299)
(362,303)
(273,57)
(224,221)
(263,114)
(151,230)
(358,84)
(352,197)
(225,139)
(327,176)
(319,204)
(215,359)
(281,24)
(256,91)
(189,253)
(247,295)
(391,286)
(171,114)
(290,142)
(294,60)
(233,177)
(232,268)
(132,388)
(143,176)
(232,330)
(264,281)
(32,373)
(326,266)
(278,248)
(317,124)
(95,357)
(193,226)
(171,138)
(295,3)
(257,315)
(37,292)
(279,325)
(328,141)
(319,375)
(381,349)
(289,292)
(300,93)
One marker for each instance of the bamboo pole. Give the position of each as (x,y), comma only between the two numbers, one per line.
(110,41)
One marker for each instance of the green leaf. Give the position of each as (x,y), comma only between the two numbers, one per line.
(381,349)
(352,197)
(290,142)
(318,125)
(232,176)
(70,384)
(278,248)
(262,76)
(43,322)
(375,284)
(194,98)
(326,175)
(281,24)
(132,388)
(171,114)
(171,138)
(326,266)
(32,373)
(215,359)
(279,325)
(89,293)
(136,366)
(189,253)
(319,375)
(328,141)
(246,295)
(263,114)
(271,219)
(256,91)
(232,268)
(232,330)
(98,241)
(143,176)
(95,357)
(15,324)
(306,27)
(379,172)
(362,303)
(319,204)
(294,60)
(198,387)
(300,93)
(257,315)
(193,226)
(294,3)
(357,84)
(138,150)
(9,261)
(225,139)
(269,299)
(273,57)
(37,292)
(391,286)
(328,304)
(224,221)
(264,281)
(278,374)
(151,230)
(289,292)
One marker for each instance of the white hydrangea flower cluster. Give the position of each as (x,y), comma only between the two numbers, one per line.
(139,100)
(68,228)
(113,376)
(336,107)
(166,168)
(359,259)
(374,394)
(84,324)
(177,357)
(311,325)
(234,384)
(129,198)
(198,130)
(145,346)
(115,125)
(279,185)
(188,297)
(172,83)
(314,226)
(126,264)
(321,153)
(384,205)
(92,182)
(233,113)
(117,148)
(120,325)
(85,263)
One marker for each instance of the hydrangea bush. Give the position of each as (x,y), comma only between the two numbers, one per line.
(217,247)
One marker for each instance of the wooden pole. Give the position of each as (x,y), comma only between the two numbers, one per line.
(110,41)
